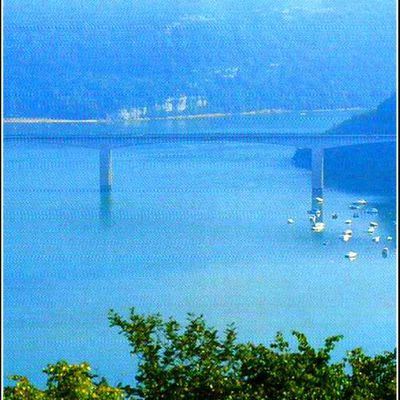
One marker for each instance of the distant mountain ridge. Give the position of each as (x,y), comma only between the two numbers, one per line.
(367,168)
(89,60)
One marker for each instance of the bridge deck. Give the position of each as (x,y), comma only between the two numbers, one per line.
(286,139)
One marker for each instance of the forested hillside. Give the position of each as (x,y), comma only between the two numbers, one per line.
(370,168)
(91,59)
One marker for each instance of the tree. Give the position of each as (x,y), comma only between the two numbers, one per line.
(65,382)
(194,362)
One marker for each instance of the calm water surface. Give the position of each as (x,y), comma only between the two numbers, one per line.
(187,228)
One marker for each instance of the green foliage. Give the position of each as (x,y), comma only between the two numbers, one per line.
(372,377)
(192,363)
(22,390)
(65,382)
(195,362)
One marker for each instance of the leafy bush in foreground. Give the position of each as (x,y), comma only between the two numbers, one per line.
(65,382)
(194,362)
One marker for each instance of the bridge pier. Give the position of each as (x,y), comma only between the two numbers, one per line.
(105,172)
(105,181)
(317,180)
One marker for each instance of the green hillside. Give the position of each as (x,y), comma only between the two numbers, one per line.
(367,168)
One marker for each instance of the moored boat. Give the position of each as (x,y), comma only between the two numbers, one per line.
(318,227)
(351,255)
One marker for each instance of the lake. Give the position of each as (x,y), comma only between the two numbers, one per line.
(188,227)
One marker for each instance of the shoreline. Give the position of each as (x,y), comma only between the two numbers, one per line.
(18,120)
(51,121)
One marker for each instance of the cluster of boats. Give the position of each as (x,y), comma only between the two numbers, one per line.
(347,235)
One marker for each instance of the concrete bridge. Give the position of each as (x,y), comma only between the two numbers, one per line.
(300,140)
(317,142)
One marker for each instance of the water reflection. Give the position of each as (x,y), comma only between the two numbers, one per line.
(106,207)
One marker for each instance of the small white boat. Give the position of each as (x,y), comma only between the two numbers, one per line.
(372,211)
(376,239)
(348,221)
(318,213)
(348,232)
(312,219)
(290,221)
(371,229)
(319,200)
(345,238)
(373,224)
(389,238)
(318,227)
(362,202)
(351,255)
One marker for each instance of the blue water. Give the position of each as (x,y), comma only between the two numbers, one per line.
(198,227)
